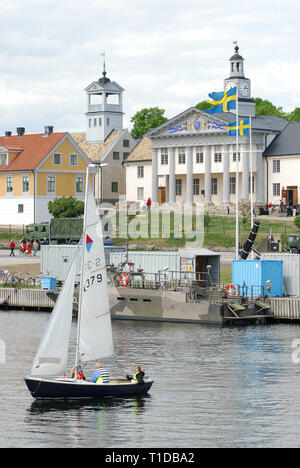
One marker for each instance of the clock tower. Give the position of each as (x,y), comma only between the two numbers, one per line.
(237,78)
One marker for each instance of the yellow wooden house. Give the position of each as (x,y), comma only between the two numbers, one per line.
(36,169)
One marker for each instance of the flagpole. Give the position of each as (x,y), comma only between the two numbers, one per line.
(251,181)
(237,180)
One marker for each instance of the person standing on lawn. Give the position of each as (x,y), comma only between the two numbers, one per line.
(12,247)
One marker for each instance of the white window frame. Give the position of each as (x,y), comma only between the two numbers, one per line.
(10,192)
(214,186)
(71,155)
(50,192)
(164,156)
(54,163)
(218,157)
(199,155)
(6,159)
(276,166)
(77,181)
(196,186)
(140,172)
(140,193)
(276,190)
(181,156)
(25,176)
(232,185)
(179,187)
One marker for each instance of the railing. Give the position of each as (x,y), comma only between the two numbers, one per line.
(107,107)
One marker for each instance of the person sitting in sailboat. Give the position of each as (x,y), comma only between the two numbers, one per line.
(137,377)
(80,374)
(101,375)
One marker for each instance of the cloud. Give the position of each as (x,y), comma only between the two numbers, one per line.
(170,54)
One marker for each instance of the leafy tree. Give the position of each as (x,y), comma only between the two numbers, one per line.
(297,221)
(145,119)
(203,105)
(295,115)
(66,207)
(265,107)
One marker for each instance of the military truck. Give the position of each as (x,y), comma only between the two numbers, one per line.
(293,243)
(58,230)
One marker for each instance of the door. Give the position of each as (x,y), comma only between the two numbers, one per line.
(199,271)
(292,198)
(162,195)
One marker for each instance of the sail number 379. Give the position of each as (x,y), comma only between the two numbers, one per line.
(92,280)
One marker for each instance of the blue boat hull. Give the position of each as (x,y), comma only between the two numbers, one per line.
(42,389)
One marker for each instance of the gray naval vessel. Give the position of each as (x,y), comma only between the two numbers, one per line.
(184,296)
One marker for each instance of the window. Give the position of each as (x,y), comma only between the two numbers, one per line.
(199,156)
(9,184)
(164,156)
(73,160)
(107,121)
(125,143)
(57,159)
(140,172)
(95,122)
(178,187)
(125,155)
(140,193)
(51,184)
(79,184)
(100,122)
(253,184)
(214,186)
(3,159)
(234,157)
(276,190)
(218,157)
(181,156)
(116,155)
(232,185)
(196,186)
(90,123)
(114,187)
(276,165)
(20,208)
(25,183)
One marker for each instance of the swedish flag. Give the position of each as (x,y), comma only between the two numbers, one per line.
(243,127)
(223,102)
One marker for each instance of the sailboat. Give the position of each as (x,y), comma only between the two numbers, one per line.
(94,331)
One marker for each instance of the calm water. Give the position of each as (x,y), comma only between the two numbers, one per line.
(213,388)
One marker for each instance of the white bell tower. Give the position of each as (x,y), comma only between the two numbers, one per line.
(104,108)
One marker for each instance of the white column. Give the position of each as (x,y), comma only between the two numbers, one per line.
(189,177)
(259,174)
(207,183)
(245,172)
(172,178)
(154,176)
(226,174)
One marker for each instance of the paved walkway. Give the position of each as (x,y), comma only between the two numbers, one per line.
(18,259)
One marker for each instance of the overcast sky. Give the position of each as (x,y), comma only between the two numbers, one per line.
(166,53)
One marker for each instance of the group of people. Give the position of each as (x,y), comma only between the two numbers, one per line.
(29,246)
(101,375)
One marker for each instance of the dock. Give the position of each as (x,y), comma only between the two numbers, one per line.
(286,308)
(32,299)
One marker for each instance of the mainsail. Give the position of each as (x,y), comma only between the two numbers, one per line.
(52,356)
(95,332)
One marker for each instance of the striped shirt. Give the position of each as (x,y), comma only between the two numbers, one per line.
(101,372)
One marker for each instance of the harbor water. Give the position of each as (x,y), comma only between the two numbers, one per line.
(214,387)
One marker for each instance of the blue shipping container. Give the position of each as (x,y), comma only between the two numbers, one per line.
(256,273)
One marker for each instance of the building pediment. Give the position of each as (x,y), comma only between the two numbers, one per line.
(111,86)
(190,122)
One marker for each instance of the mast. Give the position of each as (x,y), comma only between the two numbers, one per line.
(82,269)
(251,184)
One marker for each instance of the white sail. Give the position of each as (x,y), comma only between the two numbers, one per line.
(95,332)
(52,356)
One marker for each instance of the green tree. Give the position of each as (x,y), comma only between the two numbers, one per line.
(66,207)
(297,221)
(203,105)
(265,107)
(295,115)
(145,119)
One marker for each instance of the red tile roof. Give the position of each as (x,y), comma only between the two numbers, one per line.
(32,150)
